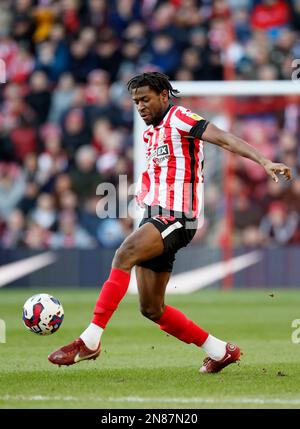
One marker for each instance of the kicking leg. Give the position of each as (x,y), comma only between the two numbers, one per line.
(144,244)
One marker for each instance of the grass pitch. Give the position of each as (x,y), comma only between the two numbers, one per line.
(142,367)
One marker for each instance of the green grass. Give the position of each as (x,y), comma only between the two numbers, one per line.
(142,367)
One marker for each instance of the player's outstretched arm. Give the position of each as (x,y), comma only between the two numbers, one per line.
(234,144)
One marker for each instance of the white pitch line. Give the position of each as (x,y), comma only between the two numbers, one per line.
(199,400)
(139,399)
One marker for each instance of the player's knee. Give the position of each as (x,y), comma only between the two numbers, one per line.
(153,313)
(126,256)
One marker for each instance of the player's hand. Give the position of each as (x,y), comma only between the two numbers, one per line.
(273,168)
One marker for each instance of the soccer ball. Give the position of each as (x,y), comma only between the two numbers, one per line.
(43,314)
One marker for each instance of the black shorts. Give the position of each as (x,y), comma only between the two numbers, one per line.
(176,230)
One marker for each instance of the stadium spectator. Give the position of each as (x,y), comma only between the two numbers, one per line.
(70,234)
(273,194)
(96,15)
(279,225)
(75,130)
(124,12)
(44,215)
(31,167)
(21,66)
(13,107)
(108,56)
(62,183)
(53,56)
(68,201)
(246,212)
(44,17)
(295,15)
(108,144)
(85,177)
(82,60)
(164,54)
(53,159)
(291,196)
(71,16)
(88,216)
(62,97)
(23,139)
(39,96)
(13,235)
(23,25)
(12,187)
(110,233)
(252,236)
(36,237)
(271,16)
(28,201)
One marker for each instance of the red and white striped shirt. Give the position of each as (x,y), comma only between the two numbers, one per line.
(174,175)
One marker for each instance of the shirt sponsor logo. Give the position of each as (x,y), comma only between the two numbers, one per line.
(162,153)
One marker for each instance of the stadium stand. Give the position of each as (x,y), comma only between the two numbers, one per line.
(66,118)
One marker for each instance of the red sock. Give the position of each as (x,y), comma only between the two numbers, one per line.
(177,324)
(111,294)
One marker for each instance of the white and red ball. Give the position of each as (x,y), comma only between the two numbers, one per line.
(43,314)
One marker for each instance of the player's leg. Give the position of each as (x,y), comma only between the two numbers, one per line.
(152,286)
(143,244)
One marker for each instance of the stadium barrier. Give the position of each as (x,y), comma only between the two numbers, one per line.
(261,268)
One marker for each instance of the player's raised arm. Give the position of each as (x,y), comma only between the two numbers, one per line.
(228,141)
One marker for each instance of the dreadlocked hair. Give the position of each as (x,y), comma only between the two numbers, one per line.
(155,80)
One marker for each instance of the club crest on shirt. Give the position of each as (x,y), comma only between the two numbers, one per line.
(161,137)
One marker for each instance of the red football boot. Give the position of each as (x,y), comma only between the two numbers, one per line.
(232,355)
(73,353)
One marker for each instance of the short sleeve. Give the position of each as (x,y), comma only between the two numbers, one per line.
(185,120)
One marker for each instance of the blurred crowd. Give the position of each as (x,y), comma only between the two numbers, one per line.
(240,199)
(66,118)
